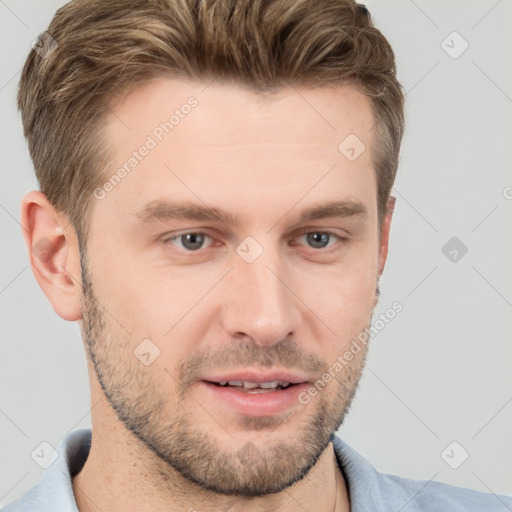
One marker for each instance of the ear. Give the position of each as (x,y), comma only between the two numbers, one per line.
(384,235)
(53,251)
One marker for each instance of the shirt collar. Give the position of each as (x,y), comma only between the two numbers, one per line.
(364,483)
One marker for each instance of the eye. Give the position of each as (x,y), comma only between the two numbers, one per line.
(321,239)
(195,240)
(191,241)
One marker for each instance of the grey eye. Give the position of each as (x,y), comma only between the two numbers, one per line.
(318,239)
(190,241)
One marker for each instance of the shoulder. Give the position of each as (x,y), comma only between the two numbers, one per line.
(54,491)
(428,495)
(28,502)
(371,490)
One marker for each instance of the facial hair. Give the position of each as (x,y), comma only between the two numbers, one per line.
(160,420)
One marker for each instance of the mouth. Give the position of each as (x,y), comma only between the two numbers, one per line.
(253,387)
(252,393)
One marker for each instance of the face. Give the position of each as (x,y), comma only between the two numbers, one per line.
(236,253)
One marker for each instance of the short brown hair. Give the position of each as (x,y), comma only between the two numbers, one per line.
(105,48)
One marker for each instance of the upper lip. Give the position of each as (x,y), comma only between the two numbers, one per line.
(257,377)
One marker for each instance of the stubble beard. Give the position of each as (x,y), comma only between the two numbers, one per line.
(247,469)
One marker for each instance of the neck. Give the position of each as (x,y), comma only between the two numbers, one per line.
(121,474)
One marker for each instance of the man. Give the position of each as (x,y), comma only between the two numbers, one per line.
(215,213)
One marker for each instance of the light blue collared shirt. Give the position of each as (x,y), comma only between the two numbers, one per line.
(369,490)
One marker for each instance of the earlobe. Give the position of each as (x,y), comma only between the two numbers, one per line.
(384,236)
(54,254)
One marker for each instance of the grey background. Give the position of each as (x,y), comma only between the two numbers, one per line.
(440,371)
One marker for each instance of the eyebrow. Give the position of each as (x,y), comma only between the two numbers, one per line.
(161,210)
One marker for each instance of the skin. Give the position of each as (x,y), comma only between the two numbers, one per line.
(297,306)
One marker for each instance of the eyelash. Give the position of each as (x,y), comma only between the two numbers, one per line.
(340,238)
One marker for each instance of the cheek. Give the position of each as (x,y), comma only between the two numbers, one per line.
(143,300)
(342,298)
(150,298)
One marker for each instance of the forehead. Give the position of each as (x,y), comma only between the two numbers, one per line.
(225,144)
(320,114)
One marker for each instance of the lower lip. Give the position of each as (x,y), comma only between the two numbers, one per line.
(256,404)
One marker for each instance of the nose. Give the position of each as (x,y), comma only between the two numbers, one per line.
(259,301)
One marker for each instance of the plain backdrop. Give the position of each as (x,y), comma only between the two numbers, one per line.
(439,373)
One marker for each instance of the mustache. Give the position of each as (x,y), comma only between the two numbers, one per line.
(247,353)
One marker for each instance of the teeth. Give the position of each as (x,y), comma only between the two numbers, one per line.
(272,384)
(251,385)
